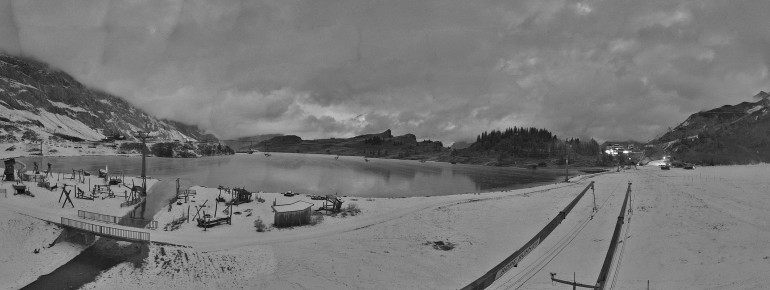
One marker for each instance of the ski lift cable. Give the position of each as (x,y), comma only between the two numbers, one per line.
(572,238)
(527,272)
(623,247)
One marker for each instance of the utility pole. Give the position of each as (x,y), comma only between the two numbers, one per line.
(143,135)
(566,165)
(41,153)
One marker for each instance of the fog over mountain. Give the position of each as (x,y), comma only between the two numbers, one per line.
(440,69)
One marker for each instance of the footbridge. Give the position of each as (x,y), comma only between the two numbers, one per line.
(106,231)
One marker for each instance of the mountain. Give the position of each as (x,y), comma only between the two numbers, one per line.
(244,144)
(38,102)
(381,145)
(731,134)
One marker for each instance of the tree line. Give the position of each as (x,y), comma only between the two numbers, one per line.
(532,142)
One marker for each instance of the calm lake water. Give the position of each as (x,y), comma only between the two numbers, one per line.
(316,174)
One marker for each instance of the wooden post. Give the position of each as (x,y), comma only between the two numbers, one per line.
(566,166)
(188,213)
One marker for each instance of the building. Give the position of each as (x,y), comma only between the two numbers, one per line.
(616,149)
(292,214)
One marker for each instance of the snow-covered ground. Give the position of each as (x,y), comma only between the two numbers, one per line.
(46,204)
(25,225)
(20,236)
(707,228)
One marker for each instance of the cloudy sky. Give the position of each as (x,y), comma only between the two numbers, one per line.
(441,69)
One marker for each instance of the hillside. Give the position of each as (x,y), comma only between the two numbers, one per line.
(495,148)
(528,147)
(381,145)
(731,134)
(37,102)
(245,144)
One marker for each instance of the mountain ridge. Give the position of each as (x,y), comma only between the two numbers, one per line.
(730,134)
(39,102)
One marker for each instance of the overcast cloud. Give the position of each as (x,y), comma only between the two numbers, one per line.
(441,69)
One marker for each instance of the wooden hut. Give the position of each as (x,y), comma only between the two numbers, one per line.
(241,195)
(8,175)
(292,214)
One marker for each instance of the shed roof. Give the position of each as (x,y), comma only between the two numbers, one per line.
(294,206)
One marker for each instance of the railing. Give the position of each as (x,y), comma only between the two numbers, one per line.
(514,259)
(131,222)
(106,231)
(131,202)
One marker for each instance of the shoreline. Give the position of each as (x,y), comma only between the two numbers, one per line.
(108,151)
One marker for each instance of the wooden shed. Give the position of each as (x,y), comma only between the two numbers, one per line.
(292,214)
(8,174)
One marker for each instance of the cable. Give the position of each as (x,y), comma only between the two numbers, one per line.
(623,247)
(527,273)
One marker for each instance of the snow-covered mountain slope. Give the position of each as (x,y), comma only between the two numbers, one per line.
(37,101)
(725,135)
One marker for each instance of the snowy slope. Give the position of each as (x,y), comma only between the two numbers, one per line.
(731,134)
(40,99)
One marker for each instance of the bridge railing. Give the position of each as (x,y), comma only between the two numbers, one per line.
(106,231)
(124,221)
(131,202)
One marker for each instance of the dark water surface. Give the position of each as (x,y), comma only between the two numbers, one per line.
(317,174)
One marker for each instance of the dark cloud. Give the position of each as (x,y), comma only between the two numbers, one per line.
(441,69)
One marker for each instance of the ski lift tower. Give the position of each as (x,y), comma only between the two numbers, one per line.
(144,135)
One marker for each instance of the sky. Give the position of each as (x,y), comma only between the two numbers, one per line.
(440,69)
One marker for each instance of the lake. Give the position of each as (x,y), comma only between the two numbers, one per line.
(316,174)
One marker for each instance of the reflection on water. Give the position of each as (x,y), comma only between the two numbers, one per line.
(316,174)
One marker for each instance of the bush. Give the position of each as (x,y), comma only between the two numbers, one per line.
(352,209)
(131,147)
(10,138)
(259,224)
(30,135)
(165,149)
(316,218)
